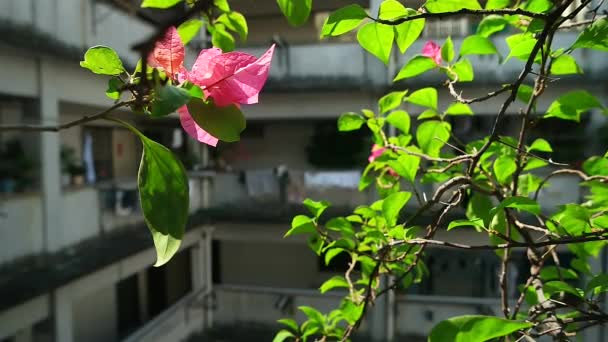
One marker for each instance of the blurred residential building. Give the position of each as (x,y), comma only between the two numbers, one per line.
(75,255)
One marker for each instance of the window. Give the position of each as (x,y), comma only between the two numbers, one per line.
(128,306)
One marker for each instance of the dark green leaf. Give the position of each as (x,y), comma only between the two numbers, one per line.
(343,20)
(225,123)
(350,122)
(415,66)
(556,286)
(524,93)
(377,39)
(102,60)
(296,11)
(164,196)
(168,98)
(598,285)
(474,329)
(114,86)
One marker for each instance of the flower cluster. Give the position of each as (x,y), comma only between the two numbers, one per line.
(228,78)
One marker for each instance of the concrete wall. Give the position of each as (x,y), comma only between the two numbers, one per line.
(21,226)
(81,217)
(95,316)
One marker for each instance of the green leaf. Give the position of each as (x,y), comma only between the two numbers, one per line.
(447,50)
(102,60)
(497,4)
(594,36)
(598,285)
(556,286)
(296,11)
(290,323)
(350,122)
(479,207)
(114,86)
(571,105)
(477,45)
(330,254)
(406,33)
(159,3)
(438,6)
(316,208)
(458,108)
(426,97)
(236,22)
(474,329)
(391,101)
(168,98)
(339,224)
(504,167)
(301,224)
(521,46)
(476,223)
(343,20)
(432,135)
(392,9)
(538,6)
(164,196)
(221,38)
(392,205)
(222,5)
(427,114)
(417,65)
(524,93)
(549,273)
(377,39)
(312,314)
(189,29)
(406,166)
(282,336)
(332,283)
(399,119)
(464,70)
(540,145)
(565,65)
(520,203)
(491,24)
(225,123)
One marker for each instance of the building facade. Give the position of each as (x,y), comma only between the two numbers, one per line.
(75,254)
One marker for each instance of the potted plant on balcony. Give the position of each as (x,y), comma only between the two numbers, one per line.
(67,160)
(15,167)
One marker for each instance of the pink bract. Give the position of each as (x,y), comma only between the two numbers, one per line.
(376,152)
(229,78)
(432,50)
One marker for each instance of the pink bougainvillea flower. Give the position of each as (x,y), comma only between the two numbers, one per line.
(376,152)
(168,54)
(432,50)
(194,130)
(228,78)
(233,77)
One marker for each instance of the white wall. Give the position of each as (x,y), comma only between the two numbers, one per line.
(81,217)
(95,318)
(21,226)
